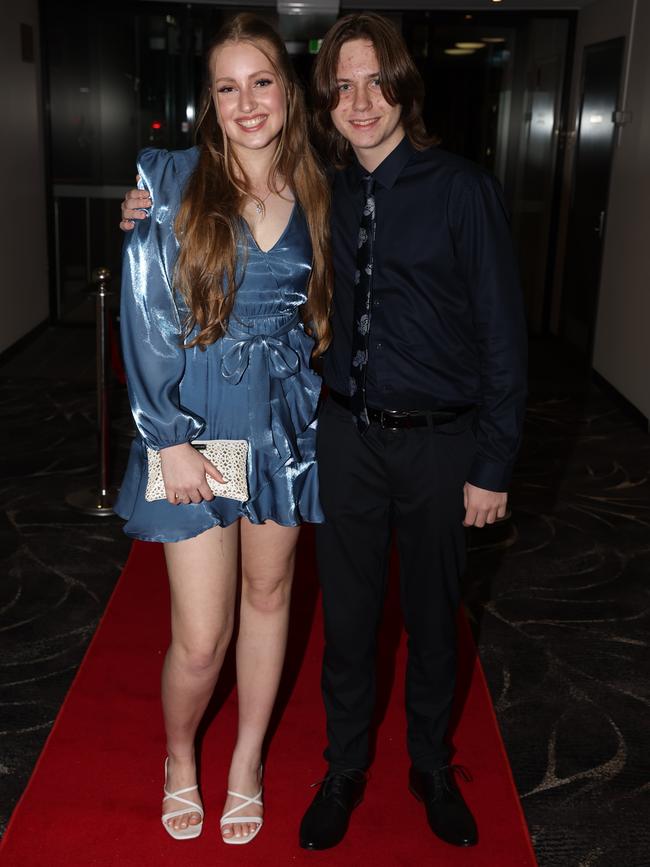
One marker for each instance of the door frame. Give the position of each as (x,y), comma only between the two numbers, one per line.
(588,350)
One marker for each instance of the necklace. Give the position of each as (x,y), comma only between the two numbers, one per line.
(259,206)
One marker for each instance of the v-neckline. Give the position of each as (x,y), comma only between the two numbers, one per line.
(281,237)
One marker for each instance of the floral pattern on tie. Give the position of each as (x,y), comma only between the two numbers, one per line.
(362,306)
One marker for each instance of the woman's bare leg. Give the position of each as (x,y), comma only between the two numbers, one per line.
(203,580)
(268,556)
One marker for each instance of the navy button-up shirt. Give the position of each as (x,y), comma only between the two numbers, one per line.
(447,325)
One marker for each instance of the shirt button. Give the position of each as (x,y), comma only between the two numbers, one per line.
(378,345)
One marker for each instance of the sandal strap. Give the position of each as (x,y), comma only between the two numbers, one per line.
(256,799)
(174,813)
(195,807)
(179,792)
(236,820)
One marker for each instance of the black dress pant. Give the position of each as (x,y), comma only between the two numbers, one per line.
(411,481)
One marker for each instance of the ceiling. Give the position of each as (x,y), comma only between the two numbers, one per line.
(466,5)
(307,6)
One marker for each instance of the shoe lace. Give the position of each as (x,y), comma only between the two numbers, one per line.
(333,782)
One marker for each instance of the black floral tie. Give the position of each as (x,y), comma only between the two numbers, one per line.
(362,306)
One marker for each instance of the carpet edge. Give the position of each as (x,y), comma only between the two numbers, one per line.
(64,703)
(501,746)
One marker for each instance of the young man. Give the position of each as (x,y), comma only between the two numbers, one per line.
(426,377)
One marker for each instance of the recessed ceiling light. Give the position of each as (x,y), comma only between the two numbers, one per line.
(459,51)
(471,45)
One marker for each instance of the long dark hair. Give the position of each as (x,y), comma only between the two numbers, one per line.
(208,222)
(401,83)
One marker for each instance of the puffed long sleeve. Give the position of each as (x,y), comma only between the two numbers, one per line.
(151,327)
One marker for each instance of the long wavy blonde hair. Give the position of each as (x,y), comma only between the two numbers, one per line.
(208,223)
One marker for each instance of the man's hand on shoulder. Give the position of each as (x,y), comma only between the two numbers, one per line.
(133,208)
(483,507)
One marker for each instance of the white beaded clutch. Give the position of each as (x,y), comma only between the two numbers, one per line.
(228,456)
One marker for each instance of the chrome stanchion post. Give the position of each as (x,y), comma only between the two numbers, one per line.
(102,278)
(99,500)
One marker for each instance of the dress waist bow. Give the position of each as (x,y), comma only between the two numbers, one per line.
(269,360)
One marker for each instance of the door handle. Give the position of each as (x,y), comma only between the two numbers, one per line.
(601,225)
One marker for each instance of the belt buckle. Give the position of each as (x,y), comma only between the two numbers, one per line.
(392,415)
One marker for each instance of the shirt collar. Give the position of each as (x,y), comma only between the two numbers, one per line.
(390,169)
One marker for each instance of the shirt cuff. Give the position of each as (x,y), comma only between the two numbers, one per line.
(490,475)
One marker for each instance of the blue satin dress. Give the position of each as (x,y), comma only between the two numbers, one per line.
(254,383)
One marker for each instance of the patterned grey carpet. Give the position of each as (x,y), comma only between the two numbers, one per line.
(564,624)
(559,596)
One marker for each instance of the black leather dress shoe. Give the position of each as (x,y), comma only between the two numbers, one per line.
(327,819)
(448,814)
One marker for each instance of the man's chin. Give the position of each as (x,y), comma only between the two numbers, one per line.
(365,141)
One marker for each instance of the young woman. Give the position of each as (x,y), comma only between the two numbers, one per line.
(225,299)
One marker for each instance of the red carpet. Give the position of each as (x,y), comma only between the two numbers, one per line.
(94,798)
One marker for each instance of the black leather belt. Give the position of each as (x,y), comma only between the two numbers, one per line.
(397,419)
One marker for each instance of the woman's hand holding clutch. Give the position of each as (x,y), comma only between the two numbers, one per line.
(184,470)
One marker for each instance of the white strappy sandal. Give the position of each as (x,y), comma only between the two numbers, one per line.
(230,818)
(192,831)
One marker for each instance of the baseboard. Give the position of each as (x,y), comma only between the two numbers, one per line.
(624,404)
